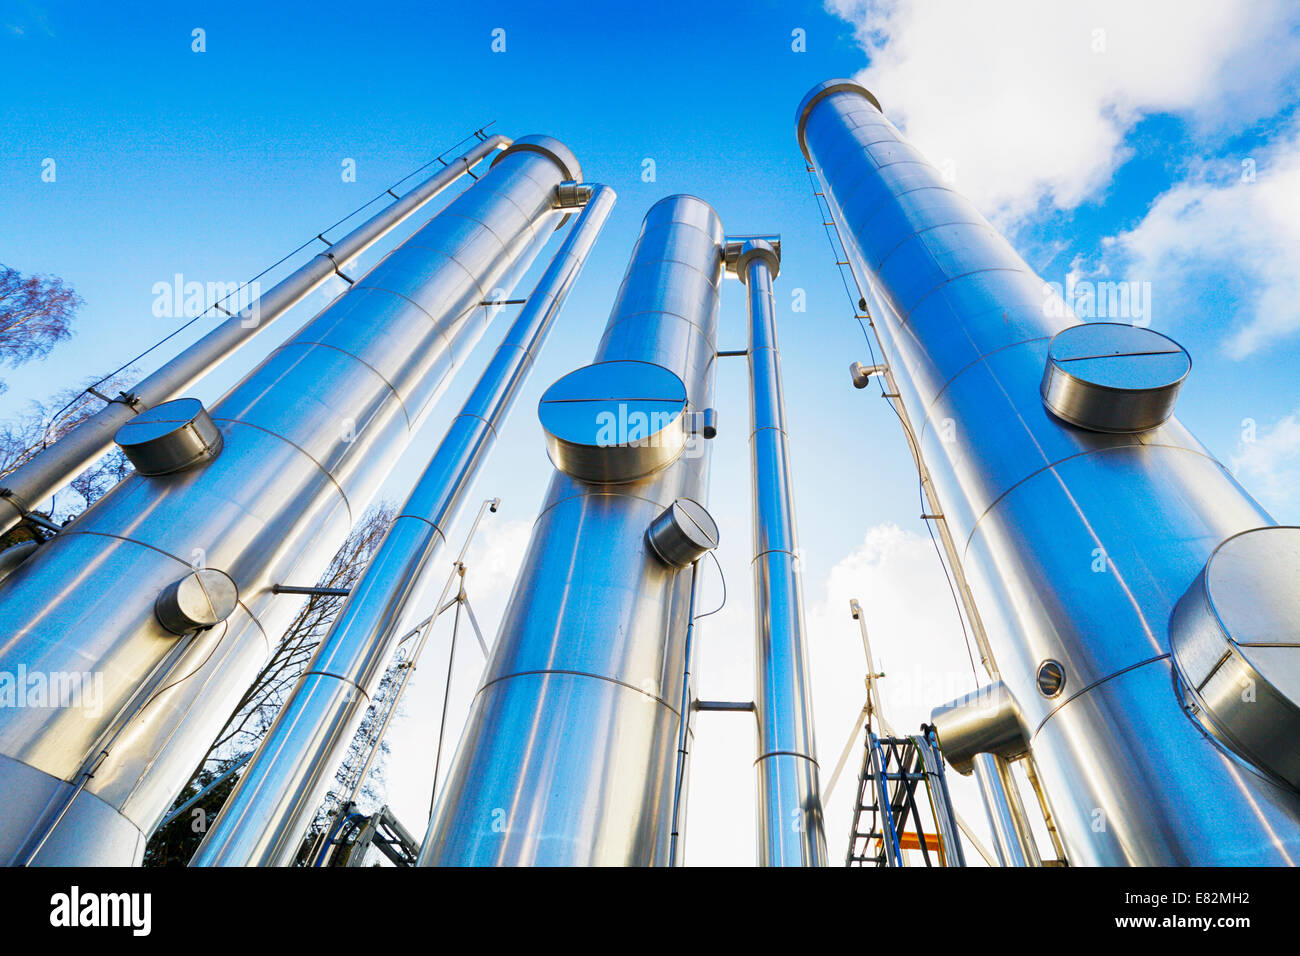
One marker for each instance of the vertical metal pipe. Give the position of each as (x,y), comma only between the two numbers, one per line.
(1076,544)
(308,436)
(53,468)
(265,815)
(1013,840)
(790,827)
(568,755)
(676,856)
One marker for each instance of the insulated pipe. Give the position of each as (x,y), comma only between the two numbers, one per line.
(1077,544)
(569,753)
(308,437)
(1013,840)
(50,470)
(790,826)
(263,819)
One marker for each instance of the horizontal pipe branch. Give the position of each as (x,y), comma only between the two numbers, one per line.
(726,706)
(323,592)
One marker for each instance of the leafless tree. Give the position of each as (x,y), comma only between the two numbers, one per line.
(36,313)
(39,425)
(43,423)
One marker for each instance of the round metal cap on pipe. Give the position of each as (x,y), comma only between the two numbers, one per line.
(1236,643)
(1112,377)
(201,599)
(683,533)
(170,437)
(613,422)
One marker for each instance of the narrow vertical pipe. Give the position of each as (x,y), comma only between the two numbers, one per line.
(790,826)
(264,817)
(51,470)
(569,752)
(1013,839)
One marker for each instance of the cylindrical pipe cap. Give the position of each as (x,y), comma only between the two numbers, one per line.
(1235,636)
(613,422)
(201,599)
(170,437)
(683,533)
(1113,377)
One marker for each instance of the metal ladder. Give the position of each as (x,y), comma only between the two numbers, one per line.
(887,817)
(356,833)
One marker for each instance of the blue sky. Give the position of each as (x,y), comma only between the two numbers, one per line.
(1118,162)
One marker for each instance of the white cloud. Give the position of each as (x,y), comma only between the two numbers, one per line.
(916,640)
(1267,461)
(1031,101)
(1230,235)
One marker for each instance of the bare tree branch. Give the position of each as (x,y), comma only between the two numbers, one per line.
(36,313)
